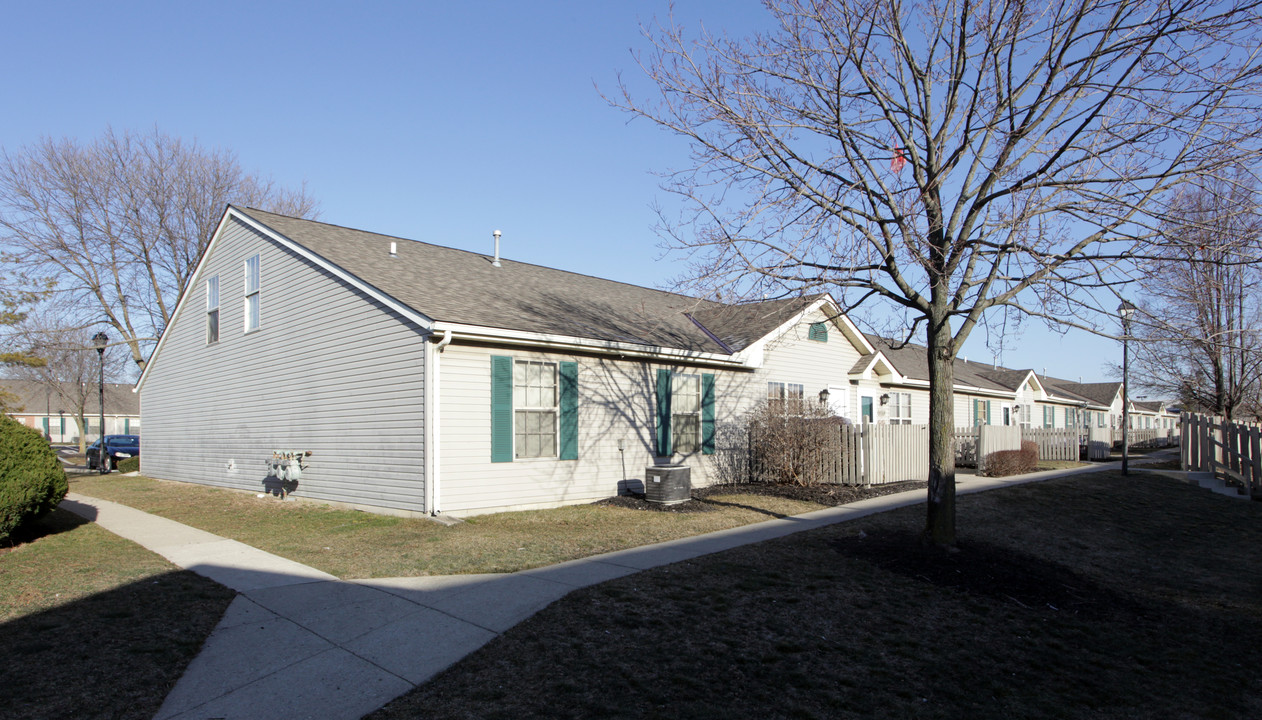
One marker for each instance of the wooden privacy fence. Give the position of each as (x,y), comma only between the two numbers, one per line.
(1146,437)
(844,454)
(1054,443)
(1231,449)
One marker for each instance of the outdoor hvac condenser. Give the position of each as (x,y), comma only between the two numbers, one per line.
(668,484)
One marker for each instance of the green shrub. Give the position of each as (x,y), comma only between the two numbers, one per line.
(32,479)
(1013,462)
(131,464)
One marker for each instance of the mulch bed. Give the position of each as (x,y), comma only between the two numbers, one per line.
(827,495)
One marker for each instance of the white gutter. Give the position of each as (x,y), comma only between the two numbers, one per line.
(431,475)
(503,336)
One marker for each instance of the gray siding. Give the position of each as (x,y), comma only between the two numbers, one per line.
(329,371)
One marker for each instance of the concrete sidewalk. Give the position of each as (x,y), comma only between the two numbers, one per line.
(299,643)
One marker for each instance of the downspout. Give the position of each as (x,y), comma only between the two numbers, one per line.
(432,352)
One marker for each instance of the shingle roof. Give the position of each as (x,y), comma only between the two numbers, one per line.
(453,285)
(35,398)
(1098,393)
(912,361)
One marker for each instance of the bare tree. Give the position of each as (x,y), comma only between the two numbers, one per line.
(1200,320)
(121,223)
(955,160)
(70,369)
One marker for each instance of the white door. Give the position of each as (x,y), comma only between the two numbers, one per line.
(839,401)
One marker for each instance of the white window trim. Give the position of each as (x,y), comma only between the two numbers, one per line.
(675,394)
(255,294)
(897,408)
(213,308)
(519,406)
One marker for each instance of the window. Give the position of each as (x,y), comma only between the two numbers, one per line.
(981,412)
(900,408)
(212,309)
(252,293)
(786,397)
(1027,416)
(685,413)
(818,332)
(534,409)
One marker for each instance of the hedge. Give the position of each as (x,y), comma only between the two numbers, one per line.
(32,479)
(1013,462)
(131,464)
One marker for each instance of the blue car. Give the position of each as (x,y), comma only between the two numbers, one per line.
(117,447)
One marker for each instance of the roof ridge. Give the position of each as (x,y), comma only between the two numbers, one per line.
(484,255)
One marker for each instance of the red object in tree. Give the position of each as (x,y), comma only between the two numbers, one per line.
(899,160)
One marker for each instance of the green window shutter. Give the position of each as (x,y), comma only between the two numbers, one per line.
(568,372)
(127,426)
(663,412)
(819,332)
(707,414)
(501,408)
(987,412)
(46,433)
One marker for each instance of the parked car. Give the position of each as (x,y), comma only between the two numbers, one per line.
(117,447)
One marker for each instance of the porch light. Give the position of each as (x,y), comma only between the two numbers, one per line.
(885,399)
(823,396)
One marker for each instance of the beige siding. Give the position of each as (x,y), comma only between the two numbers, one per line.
(329,371)
(794,358)
(615,407)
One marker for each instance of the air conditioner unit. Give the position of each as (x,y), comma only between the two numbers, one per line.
(668,484)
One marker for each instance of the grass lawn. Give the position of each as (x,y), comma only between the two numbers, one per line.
(353,544)
(1093,596)
(92,625)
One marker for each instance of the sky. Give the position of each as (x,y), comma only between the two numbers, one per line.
(434,121)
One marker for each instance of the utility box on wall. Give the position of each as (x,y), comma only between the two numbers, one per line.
(668,484)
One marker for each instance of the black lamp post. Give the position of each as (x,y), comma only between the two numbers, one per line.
(101,341)
(1126,310)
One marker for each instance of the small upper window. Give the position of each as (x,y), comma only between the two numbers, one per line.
(252,293)
(819,332)
(900,408)
(212,309)
(786,397)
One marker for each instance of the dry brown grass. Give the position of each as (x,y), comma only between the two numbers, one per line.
(92,625)
(353,544)
(1094,596)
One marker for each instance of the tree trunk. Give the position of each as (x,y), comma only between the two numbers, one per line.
(940,525)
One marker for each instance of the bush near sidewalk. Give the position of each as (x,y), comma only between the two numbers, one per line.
(32,480)
(1013,462)
(131,464)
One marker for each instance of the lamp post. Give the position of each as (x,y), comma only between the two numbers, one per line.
(101,341)
(1126,310)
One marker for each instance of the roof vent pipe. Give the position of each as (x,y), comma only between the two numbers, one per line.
(394,249)
(496,261)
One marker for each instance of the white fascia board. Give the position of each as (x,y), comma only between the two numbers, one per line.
(547,341)
(848,329)
(348,278)
(895,377)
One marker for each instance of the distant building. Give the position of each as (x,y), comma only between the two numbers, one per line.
(40,406)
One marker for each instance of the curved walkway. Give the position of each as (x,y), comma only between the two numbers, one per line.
(299,643)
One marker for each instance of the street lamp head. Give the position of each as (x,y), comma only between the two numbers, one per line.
(100,341)
(1126,309)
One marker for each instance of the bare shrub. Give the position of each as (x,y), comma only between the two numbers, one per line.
(1013,462)
(793,444)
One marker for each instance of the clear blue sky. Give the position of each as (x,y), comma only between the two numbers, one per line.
(436,121)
